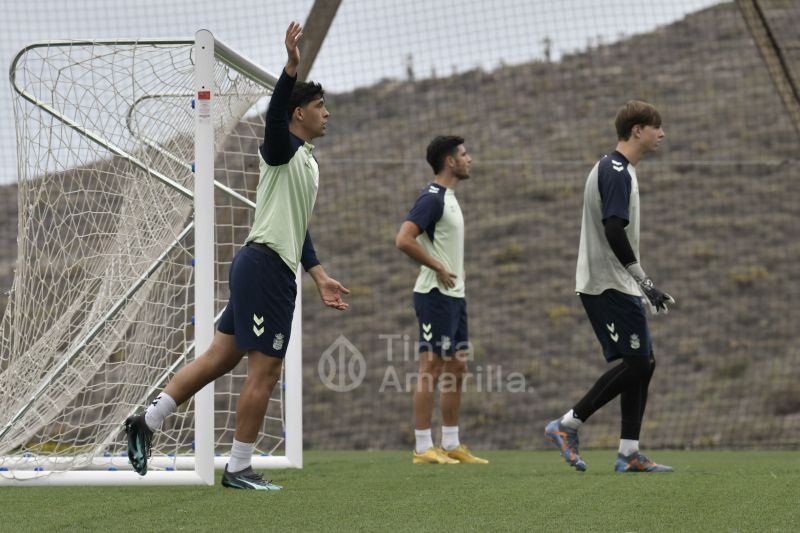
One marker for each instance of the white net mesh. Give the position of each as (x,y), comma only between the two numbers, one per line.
(100,314)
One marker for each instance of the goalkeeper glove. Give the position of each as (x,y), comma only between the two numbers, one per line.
(657,299)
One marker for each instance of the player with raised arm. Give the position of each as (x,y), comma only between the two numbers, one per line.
(433,236)
(612,287)
(258,318)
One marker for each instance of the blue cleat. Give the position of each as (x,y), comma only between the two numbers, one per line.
(566,440)
(636,462)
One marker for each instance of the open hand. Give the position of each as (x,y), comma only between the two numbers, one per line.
(293,34)
(331,292)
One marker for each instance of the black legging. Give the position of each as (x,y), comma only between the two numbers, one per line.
(630,380)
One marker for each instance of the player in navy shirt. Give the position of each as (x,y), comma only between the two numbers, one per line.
(611,284)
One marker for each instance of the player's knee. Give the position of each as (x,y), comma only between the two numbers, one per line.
(639,367)
(427,382)
(430,363)
(263,369)
(272,375)
(222,358)
(430,371)
(456,367)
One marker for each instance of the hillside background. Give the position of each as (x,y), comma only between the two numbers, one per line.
(720,205)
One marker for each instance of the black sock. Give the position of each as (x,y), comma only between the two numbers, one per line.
(632,371)
(633,402)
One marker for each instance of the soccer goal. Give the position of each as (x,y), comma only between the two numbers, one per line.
(137,165)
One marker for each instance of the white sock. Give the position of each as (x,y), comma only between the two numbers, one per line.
(241,456)
(627,446)
(162,407)
(424,439)
(571,420)
(450,437)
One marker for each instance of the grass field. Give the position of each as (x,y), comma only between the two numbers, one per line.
(380,491)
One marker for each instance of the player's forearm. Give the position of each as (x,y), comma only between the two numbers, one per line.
(308,257)
(637,272)
(276,127)
(618,241)
(279,102)
(318,274)
(290,69)
(621,246)
(415,251)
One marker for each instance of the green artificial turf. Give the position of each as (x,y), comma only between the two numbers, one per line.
(383,491)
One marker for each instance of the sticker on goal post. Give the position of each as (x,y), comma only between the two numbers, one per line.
(204,104)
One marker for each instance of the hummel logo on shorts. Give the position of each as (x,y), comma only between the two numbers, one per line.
(614,336)
(258,321)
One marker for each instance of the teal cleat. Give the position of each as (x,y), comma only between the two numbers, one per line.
(566,440)
(140,438)
(636,462)
(247,479)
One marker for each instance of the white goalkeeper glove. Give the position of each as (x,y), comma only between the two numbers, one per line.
(657,299)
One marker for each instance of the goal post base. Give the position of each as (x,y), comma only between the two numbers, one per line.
(116,471)
(29,478)
(181,462)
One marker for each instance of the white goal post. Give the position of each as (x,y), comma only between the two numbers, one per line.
(137,165)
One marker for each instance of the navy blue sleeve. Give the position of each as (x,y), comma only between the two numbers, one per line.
(308,258)
(615,190)
(277,147)
(618,240)
(426,212)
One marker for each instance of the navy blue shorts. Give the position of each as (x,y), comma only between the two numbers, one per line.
(443,326)
(620,323)
(261,306)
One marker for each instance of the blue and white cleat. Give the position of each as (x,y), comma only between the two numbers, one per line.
(566,440)
(247,479)
(636,462)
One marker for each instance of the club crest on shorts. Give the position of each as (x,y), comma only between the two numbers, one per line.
(445,342)
(635,342)
(277,342)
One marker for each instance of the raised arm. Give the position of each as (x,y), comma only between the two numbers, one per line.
(276,149)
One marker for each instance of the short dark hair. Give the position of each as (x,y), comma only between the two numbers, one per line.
(635,112)
(440,148)
(303,93)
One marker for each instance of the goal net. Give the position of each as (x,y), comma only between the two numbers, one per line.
(101,313)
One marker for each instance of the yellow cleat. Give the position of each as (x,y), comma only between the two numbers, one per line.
(463,455)
(433,456)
